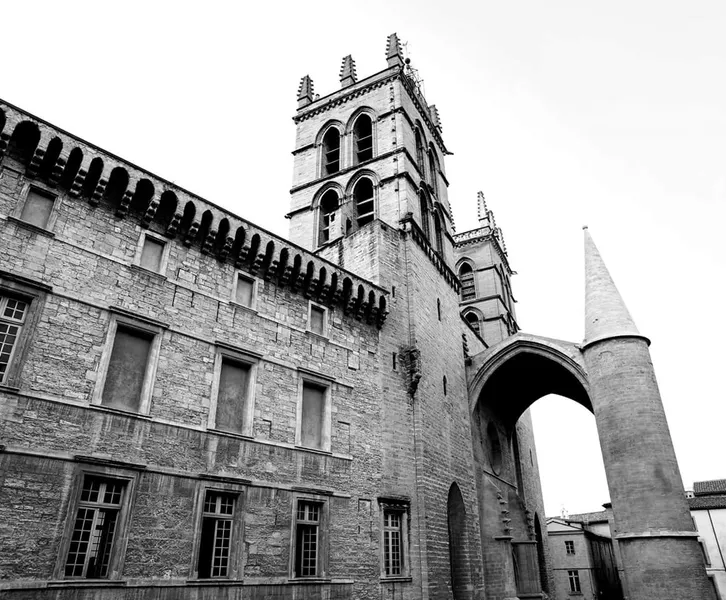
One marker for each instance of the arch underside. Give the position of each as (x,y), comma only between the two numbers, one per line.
(513,375)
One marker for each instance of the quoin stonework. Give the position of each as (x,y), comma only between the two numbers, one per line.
(193,407)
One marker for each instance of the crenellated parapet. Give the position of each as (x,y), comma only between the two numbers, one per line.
(103,180)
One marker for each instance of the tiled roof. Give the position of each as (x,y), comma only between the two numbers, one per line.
(704,502)
(591,517)
(715,486)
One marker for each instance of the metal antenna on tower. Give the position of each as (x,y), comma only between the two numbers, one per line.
(412,73)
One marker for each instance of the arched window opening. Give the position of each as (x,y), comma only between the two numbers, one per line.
(329,220)
(364,205)
(363,136)
(434,172)
(420,153)
(458,542)
(466,276)
(438,234)
(331,151)
(425,226)
(473,320)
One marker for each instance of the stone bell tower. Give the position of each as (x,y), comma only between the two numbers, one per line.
(370,151)
(653,526)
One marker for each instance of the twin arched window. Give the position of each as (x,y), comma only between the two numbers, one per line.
(362,145)
(332,211)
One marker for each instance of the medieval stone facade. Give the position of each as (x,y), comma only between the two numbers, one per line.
(193,407)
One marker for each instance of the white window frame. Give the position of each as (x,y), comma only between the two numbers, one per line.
(20,324)
(237,537)
(323,540)
(309,327)
(326,432)
(164,253)
(404,509)
(239,357)
(253,280)
(118,551)
(570,545)
(573,576)
(152,362)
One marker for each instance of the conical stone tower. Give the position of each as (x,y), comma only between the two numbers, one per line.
(659,548)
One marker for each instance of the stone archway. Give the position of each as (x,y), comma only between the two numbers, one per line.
(613,378)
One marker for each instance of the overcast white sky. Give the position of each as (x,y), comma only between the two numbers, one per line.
(563,113)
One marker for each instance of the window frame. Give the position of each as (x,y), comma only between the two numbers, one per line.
(324,163)
(305,377)
(403,509)
(314,305)
(237,537)
(355,139)
(43,191)
(468,282)
(238,356)
(120,541)
(323,537)
(573,578)
(34,294)
(570,548)
(147,388)
(235,282)
(163,262)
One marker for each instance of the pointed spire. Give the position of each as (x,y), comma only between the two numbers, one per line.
(305,92)
(348,76)
(482,212)
(606,315)
(394,55)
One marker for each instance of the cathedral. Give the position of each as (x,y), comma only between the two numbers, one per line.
(193,407)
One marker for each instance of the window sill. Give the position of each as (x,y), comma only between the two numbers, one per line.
(87,583)
(244,307)
(313,450)
(322,336)
(397,579)
(214,582)
(9,389)
(234,434)
(148,271)
(308,580)
(120,411)
(31,227)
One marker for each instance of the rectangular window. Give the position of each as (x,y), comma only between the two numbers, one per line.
(569,547)
(215,545)
(37,208)
(313,415)
(12,317)
(574,579)
(307,539)
(91,547)
(392,543)
(317,319)
(233,396)
(152,254)
(127,369)
(244,292)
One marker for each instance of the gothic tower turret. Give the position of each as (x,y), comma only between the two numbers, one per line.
(369,152)
(653,526)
